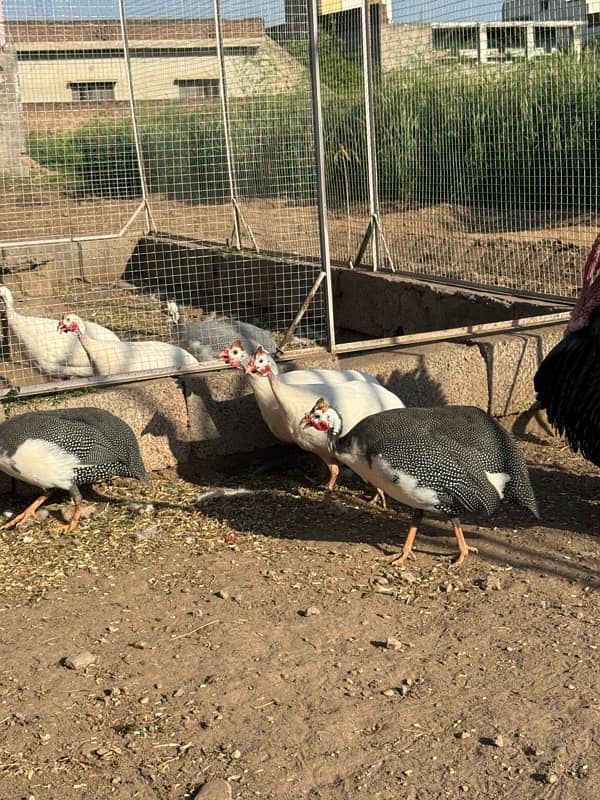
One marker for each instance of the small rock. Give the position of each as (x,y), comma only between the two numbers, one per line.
(407,576)
(139,645)
(311,611)
(79,661)
(463,735)
(380,580)
(236,754)
(144,700)
(550,777)
(393,644)
(222,594)
(491,582)
(497,741)
(215,789)
(388,692)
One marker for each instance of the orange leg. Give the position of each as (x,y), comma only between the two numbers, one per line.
(373,500)
(28,513)
(76,513)
(334,471)
(463,548)
(407,549)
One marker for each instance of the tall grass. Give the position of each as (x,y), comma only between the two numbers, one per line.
(525,136)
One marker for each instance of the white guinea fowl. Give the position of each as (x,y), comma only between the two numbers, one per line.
(356,399)
(65,449)
(440,461)
(204,338)
(53,354)
(112,358)
(237,356)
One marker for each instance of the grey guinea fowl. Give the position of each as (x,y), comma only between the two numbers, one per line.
(443,461)
(65,449)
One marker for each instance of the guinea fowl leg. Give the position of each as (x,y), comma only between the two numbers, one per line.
(334,471)
(463,548)
(77,499)
(407,551)
(28,513)
(373,500)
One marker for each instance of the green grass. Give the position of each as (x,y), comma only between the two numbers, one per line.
(525,136)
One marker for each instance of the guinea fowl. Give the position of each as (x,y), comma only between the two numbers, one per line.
(236,355)
(440,461)
(567,382)
(66,449)
(53,354)
(204,338)
(110,358)
(356,400)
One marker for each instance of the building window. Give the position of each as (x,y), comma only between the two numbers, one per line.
(544,5)
(197,88)
(92,90)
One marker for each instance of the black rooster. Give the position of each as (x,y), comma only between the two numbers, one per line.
(567,382)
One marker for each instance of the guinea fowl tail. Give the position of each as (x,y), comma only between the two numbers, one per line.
(518,489)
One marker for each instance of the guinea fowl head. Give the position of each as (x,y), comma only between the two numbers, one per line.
(235,355)
(71,323)
(323,417)
(262,363)
(589,299)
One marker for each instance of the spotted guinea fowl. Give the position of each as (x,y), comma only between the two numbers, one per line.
(441,461)
(204,338)
(111,358)
(567,382)
(53,354)
(356,399)
(66,449)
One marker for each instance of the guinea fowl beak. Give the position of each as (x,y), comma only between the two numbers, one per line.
(250,368)
(306,421)
(224,354)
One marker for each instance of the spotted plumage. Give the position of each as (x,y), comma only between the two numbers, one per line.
(65,449)
(442,461)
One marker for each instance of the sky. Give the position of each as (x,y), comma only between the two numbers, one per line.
(271,10)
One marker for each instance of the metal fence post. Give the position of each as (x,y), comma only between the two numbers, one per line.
(373,232)
(238,219)
(317,116)
(150,224)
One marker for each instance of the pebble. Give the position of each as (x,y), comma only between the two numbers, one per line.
(407,576)
(236,754)
(393,644)
(79,661)
(389,692)
(551,777)
(139,645)
(215,789)
(497,741)
(222,594)
(311,611)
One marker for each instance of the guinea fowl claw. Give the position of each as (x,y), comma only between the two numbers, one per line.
(459,559)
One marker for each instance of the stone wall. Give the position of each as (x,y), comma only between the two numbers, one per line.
(12,130)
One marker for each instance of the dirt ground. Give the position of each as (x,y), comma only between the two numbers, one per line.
(257,638)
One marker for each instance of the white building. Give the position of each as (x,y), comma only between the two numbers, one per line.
(586,11)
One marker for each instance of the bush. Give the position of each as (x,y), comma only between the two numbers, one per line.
(523,136)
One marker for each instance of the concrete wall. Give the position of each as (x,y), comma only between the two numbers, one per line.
(405,44)
(12,129)
(267,69)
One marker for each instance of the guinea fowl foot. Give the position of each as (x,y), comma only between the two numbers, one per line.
(28,513)
(463,548)
(407,549)
(72,524)
(380,494)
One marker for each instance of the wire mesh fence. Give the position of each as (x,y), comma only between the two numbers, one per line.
(159,172)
